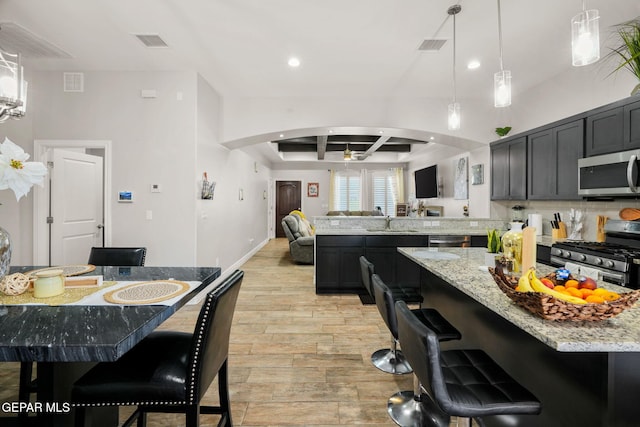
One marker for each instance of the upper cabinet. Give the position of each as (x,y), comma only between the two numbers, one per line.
(509,169)
(613,129)
(552,162)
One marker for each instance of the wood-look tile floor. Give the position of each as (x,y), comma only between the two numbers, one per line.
(296,358)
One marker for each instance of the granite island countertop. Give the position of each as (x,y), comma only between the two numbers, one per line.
(618,334)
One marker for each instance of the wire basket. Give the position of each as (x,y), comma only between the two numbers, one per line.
(551,308)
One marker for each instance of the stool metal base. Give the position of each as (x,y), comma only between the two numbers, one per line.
(391,362)
(408,410)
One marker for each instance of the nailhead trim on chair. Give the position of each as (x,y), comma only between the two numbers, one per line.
(197,350)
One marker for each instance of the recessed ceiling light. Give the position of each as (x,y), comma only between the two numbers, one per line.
(431,138)
(294,62)
(473,64)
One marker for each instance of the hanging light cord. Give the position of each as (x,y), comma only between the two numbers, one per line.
(500,36)
(453,10)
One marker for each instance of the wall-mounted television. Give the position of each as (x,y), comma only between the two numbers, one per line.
(427,182)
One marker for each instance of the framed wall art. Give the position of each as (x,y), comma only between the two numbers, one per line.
(477,174)
(312,189)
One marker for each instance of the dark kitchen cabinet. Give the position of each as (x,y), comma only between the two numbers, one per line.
(605,132)
(337,264)
(509,169)
(552,162)
(393,267)
(632,126)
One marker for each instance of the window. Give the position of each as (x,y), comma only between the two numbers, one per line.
(384,191)
(346,193)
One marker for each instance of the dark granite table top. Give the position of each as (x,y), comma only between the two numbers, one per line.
(91,333)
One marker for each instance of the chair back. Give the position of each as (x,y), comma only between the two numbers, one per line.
(121,257)
(210,347)
(386,304)
(421,347)
(366,270)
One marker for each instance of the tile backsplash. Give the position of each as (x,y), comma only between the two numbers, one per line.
(590,210)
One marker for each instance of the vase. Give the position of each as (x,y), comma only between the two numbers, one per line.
(636,90)
(5,252)
(490,258)
(512,246)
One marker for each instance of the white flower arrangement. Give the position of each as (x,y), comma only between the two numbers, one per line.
(16,173)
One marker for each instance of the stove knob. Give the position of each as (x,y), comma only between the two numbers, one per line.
(610,264)
(565,254)
(582,257)
(599,261)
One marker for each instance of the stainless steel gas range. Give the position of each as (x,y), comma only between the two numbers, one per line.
(617,259)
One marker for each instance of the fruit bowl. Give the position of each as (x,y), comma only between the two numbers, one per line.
(551,308)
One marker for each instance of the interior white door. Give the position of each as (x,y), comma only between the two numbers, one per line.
(76,206)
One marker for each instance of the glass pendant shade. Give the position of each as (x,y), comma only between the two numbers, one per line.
(454,116)
(502,88)
(12,86)
(585,38)
(347,154)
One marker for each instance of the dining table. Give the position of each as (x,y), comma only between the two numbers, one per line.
(68,339)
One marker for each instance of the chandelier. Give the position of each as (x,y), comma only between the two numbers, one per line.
(13,87)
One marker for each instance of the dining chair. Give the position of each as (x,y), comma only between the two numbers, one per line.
(115,256)
(168,371)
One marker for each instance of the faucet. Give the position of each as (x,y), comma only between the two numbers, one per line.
(387,225)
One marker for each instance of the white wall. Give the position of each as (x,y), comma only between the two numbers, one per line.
(478,201)
(227,228)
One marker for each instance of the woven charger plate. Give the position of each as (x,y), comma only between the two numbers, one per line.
(147,292)
(67,270)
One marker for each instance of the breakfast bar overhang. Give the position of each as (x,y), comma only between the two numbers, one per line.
(584,373)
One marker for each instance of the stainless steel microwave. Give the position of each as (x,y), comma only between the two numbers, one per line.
(610,175)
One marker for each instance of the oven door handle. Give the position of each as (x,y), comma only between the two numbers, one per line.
(630,168)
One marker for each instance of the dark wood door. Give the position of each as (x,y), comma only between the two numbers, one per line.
(288,198)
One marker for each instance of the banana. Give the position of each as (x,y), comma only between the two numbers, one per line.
(523,284)
(538,286)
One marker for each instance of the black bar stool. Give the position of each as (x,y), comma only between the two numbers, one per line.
(367,269)
(392,360)
(463,383)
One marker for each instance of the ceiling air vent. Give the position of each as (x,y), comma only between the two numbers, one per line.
(74,82)
(432,45)
(151,40)
(16,39)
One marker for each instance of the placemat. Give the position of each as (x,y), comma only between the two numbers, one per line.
(67,270)
(69,296)
(146,292)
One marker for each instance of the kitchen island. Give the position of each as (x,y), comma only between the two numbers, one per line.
(584,374)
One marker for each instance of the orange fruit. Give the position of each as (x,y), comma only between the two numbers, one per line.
(595,299)
(600,291)
(586,292)
(571,283)
(575,292)
(610,296)
(559,288)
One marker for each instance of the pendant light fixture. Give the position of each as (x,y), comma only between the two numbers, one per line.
(453,122)
(585,37)
(501,79)
(13,88)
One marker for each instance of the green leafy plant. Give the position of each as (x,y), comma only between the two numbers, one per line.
(493,241)
(503,131)
(629,50)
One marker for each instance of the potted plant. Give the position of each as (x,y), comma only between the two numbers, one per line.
(494,246)
(502,132)
(628,51)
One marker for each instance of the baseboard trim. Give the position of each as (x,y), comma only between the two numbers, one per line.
(224,274)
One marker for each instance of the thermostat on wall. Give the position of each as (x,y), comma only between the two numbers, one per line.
(125,196)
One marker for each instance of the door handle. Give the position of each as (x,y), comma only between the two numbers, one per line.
(630,167)
(100,226)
